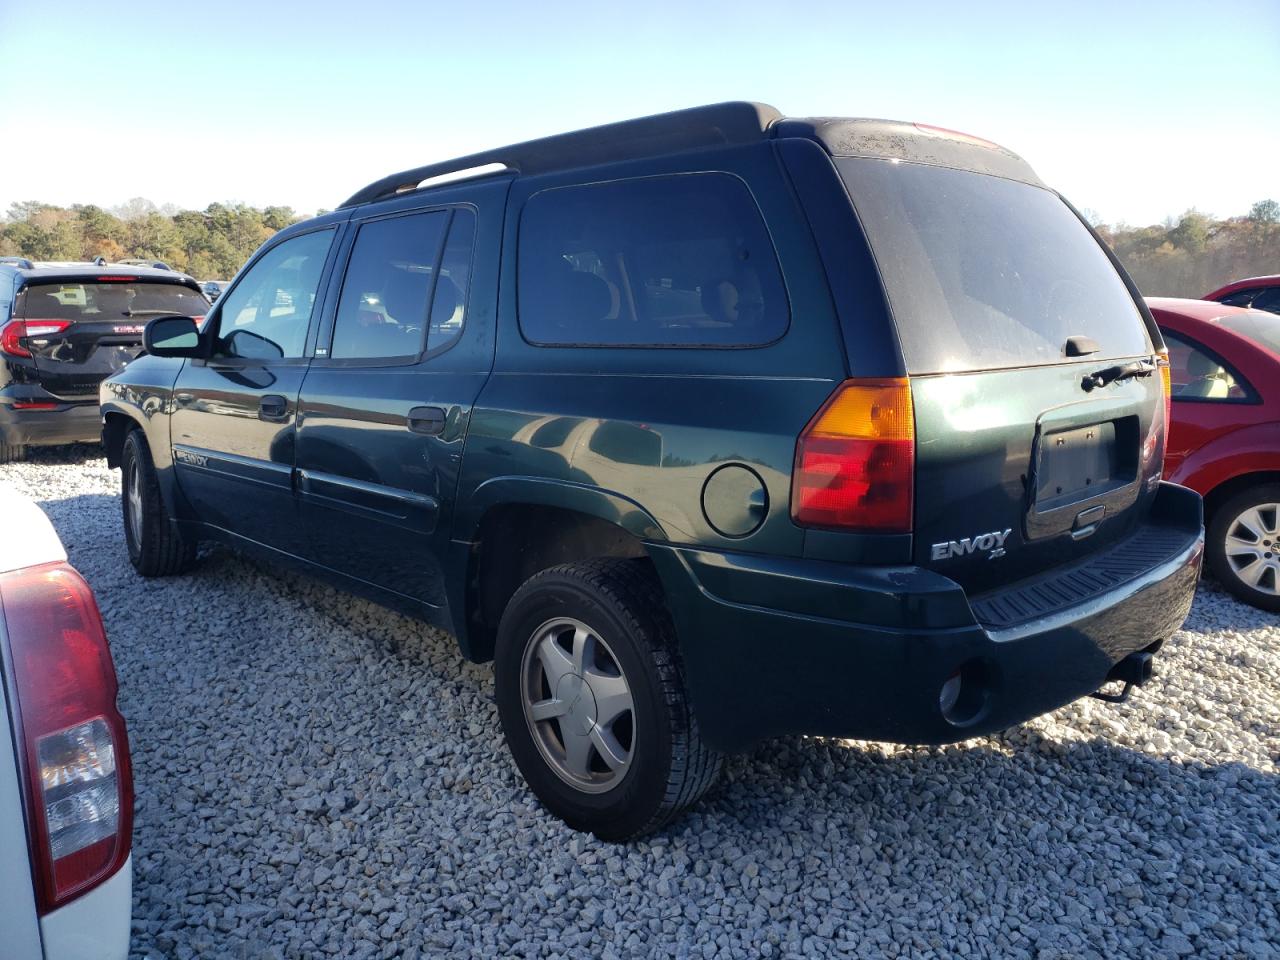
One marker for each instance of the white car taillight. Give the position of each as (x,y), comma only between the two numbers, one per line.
(78,787)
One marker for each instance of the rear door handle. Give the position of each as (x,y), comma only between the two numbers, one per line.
(273,408)
(429,421)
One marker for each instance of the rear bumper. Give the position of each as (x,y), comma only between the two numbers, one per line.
(775,647)
(65,423)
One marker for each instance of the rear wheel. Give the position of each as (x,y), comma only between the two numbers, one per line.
(11,452)
(157,546)
(592,700)
(1243,548)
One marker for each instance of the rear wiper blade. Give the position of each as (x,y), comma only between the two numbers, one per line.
(147,313)
(1121,371)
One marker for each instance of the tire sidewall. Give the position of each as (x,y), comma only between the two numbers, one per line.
(1219,565)
(132,452)
(629,805)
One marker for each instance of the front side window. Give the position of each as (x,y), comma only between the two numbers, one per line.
(1197,375)
(987,273)
(678,261)
(265,317)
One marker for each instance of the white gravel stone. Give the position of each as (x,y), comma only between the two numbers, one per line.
(317,776)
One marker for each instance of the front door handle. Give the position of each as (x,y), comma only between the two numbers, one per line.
(273,408)
(429,421)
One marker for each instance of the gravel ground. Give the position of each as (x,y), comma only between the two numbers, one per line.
(318,776)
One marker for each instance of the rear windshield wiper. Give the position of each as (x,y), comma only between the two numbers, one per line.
(146,313)
(1121,371)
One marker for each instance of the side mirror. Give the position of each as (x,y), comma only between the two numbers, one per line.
(172,337)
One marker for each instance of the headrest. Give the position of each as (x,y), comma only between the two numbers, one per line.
(446,300)
(1199,365)
(405,296)
(720,301)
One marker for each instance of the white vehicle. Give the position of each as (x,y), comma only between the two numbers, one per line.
(66,793)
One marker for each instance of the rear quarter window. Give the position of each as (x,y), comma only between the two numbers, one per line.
(677,261)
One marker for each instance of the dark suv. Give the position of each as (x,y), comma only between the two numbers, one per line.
(705,427)
(65,326)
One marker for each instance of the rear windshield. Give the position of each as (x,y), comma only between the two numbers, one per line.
(111,301)
(983,272)
(1260,327)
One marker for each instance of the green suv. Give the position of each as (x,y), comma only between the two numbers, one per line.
(705,428)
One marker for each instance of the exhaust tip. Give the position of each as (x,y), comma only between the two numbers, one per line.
(963,696)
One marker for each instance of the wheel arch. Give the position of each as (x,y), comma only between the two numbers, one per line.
(518,527)
(118,423)
(1224,491)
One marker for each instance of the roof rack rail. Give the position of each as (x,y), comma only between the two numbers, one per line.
(22,262)
(719,124)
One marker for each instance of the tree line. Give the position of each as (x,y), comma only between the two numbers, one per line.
(1194,254)
(209,244)
(1186,256)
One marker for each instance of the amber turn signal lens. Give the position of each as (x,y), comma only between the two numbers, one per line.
(855,461)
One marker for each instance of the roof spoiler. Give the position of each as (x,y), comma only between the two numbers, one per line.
(720,124)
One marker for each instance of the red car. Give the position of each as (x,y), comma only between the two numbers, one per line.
(1257,293)
(1225,437)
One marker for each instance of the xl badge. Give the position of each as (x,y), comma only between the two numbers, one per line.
(991,544)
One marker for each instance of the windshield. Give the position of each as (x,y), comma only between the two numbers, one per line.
(62,300)
(983,272)
(1259,326)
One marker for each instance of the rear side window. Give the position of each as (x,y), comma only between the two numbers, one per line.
(397,270)
(115,301)
(679,261)
(1197,375)
(983,272)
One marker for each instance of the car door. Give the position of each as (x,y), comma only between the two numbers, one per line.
(385,404)
(233,419)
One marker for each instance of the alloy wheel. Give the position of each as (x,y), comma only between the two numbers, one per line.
(1253,547)
(578,705)
(133,495)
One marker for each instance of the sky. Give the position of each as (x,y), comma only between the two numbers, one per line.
(1135,110)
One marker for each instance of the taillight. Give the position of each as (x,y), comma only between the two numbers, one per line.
(79,790)
(15,331)
(1166,385)
(855,461)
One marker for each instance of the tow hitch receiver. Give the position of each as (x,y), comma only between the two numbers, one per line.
(1133,671)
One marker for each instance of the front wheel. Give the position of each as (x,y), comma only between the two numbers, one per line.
(592,700)
(1243,548)
(157,546)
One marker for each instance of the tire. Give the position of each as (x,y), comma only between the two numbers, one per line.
(628,644)
(12,452)
(158,547)
(1249,525)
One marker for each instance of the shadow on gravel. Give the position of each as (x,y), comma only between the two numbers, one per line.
(73,454)
(319,776)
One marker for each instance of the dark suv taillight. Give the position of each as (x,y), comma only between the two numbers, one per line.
(78,787)
(15,331)
(855,460)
